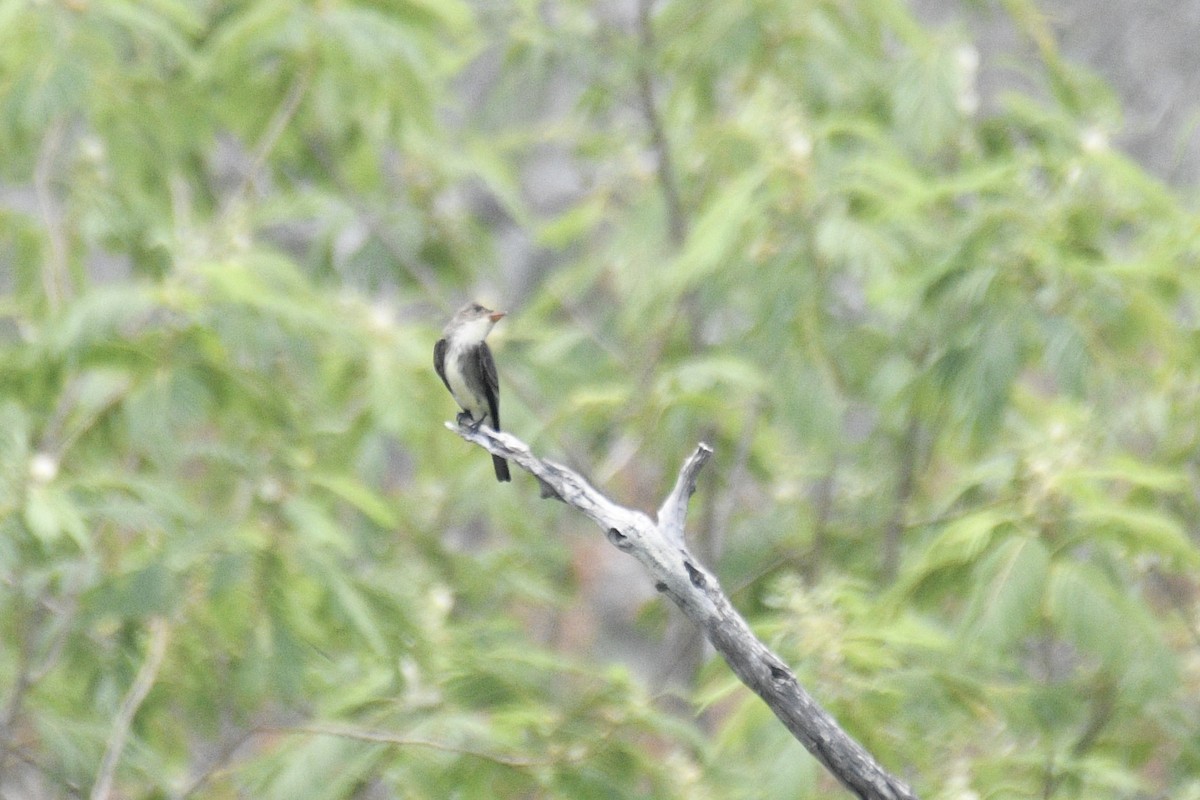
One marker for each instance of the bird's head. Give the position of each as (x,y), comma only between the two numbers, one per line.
(472,323)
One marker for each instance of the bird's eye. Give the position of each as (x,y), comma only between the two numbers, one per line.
(477,307)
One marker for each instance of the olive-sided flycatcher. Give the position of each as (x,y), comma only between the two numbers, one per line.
(465,364)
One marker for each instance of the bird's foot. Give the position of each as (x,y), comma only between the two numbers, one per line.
(466,420)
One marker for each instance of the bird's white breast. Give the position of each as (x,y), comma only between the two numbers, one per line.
(456,356)
(454,375)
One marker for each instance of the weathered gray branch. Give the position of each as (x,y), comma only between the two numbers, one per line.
(662,550)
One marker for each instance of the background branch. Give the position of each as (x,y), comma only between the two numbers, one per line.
(160,632)
(665,164)
(661,548)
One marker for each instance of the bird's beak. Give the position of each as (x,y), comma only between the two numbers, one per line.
(495,316)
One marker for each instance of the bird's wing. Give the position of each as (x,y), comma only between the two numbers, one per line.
(491,383)
(439,360)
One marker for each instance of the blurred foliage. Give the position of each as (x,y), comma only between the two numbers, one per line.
(948,359)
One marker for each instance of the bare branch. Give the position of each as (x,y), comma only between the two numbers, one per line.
(379,227)
(661,549)
(216,763)
(56,281)
(400,740)
(142,683)
(21,686)
(280,119)
(667,178)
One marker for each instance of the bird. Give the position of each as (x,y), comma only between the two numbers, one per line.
(464,363)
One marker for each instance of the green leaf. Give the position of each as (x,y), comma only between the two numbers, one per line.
(711,374)
(14,453)
(960,544)
(246,32)
(357,610)
(50,514)
(317,767)
(718,231)
(1083,604)
(100,316)
(1066,354)
(140,18)
(1007,596)
(1145,531)
(1126,468)
(316,527)
(588,398)
(360,496)
(149,591)
(964,539)
(855,244)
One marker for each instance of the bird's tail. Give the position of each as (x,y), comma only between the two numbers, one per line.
(501,469)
